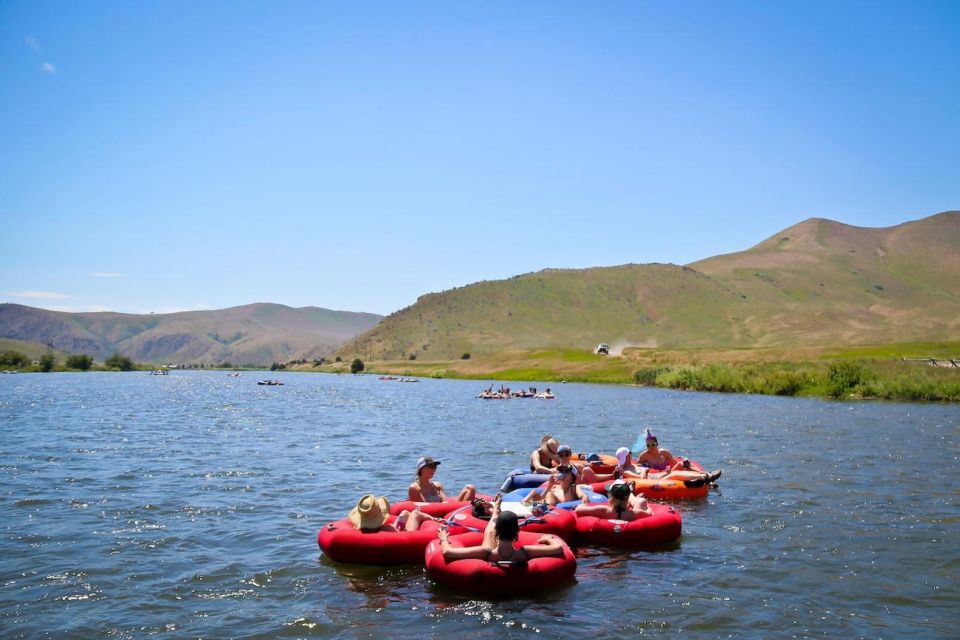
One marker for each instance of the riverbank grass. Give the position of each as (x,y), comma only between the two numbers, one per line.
(889,372)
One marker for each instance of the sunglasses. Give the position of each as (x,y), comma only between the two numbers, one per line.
(652,443)
(565,454)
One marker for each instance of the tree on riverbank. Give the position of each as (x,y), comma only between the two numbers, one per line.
(117,361)
(11,358)
(46,362)
(80,361)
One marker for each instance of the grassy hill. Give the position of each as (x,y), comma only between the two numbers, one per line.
(33,350)
(822,282)
(816,283)
(255,334)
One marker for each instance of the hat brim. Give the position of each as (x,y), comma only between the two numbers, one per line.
(372,520)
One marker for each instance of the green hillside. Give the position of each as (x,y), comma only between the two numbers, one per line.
(32,350)
(817,283)
(255,334)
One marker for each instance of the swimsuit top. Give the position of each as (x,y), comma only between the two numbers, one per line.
(431,497)
(659,466)
(514,559)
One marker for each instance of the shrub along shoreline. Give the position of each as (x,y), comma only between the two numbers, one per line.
(881,373)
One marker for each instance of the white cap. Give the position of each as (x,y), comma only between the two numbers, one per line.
(622,454)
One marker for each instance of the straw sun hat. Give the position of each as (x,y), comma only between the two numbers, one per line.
(370,513)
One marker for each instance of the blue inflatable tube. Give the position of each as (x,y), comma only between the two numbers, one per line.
(520,479)
(517,495)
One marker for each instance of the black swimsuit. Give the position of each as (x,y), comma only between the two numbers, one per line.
(514,560)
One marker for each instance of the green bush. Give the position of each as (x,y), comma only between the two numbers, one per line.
(80,361)
(356,366)
(465,356)
(117,361)
(12,358)
(647,376)
(46,362)
(721,377)
(778,383)
(680,378)
(844,377)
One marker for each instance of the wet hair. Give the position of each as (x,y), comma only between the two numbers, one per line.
(507,527)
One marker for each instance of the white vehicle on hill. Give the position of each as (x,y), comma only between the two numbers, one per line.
(603,348)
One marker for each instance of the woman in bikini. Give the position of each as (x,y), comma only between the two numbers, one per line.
(655,459)
(561,487)
(425,489)
(498,538)
(621,505)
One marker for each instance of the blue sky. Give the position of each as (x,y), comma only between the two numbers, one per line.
(159,156)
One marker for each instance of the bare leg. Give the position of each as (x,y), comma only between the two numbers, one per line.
(412,520)
(533,496)
(467,494)
(589,476)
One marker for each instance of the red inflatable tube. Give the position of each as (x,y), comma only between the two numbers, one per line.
(436,509)
(341,542)
(479,577)
(663,526)
(559,522)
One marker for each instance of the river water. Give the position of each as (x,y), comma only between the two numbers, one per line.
(188,505)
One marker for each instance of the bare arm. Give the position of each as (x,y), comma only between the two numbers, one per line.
(459,553)
(549,545)
(595,510)
(640,506)
(414,493)
(671,461)
(490,532)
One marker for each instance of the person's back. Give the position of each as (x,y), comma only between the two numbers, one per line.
(543,459)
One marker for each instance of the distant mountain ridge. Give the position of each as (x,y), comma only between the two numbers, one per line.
(255,334)
(816,283)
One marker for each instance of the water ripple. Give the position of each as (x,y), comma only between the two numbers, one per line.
(187,506)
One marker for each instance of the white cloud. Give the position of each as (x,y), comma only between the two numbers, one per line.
(46,67)
(38,295)
(32,43)
(106,274)
(60,307)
